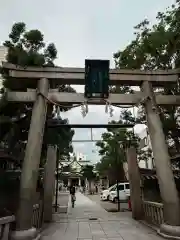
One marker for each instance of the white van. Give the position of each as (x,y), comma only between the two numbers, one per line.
(105,193)
(124,192)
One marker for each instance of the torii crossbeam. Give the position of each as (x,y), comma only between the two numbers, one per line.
(73,76)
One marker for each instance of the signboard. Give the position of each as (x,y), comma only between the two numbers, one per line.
(96,78)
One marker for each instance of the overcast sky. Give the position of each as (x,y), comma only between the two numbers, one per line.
(82,29)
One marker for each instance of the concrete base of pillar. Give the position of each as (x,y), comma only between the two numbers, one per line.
(60,209)
(169,232)
(29,234)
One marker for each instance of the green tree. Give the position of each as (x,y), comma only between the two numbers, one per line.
(112,151)
(88,173)
(27,48)
(145,155)
(157,47)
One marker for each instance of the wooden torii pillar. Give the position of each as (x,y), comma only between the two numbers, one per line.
(49,182)
(169,194)
(31,166)
(135,183)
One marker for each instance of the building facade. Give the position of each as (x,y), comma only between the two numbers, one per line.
(146,148)
(3,53)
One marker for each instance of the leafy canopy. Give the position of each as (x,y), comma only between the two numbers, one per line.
(112,150)
(157,47)
(87,171)
(28,48)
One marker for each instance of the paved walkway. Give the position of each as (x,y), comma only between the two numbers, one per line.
(89,221)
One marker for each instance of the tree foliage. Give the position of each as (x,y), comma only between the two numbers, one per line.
(28,48)
(112,149)
(87,171)
(157,47)
(145,155)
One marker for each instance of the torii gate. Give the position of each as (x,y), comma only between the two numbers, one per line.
(44,76)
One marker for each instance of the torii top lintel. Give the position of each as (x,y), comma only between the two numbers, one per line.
(76,75)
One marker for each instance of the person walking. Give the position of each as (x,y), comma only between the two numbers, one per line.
(72,191)
(96,189)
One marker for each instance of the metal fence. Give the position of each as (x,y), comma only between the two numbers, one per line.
(37,219)
(153,212)
(5,227)
(7,222)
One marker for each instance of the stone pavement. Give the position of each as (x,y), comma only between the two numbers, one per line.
(89,221)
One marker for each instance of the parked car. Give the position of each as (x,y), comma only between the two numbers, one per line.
(124,192)
(105,193)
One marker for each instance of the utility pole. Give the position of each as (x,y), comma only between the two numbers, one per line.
(117,184)
(117,179)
